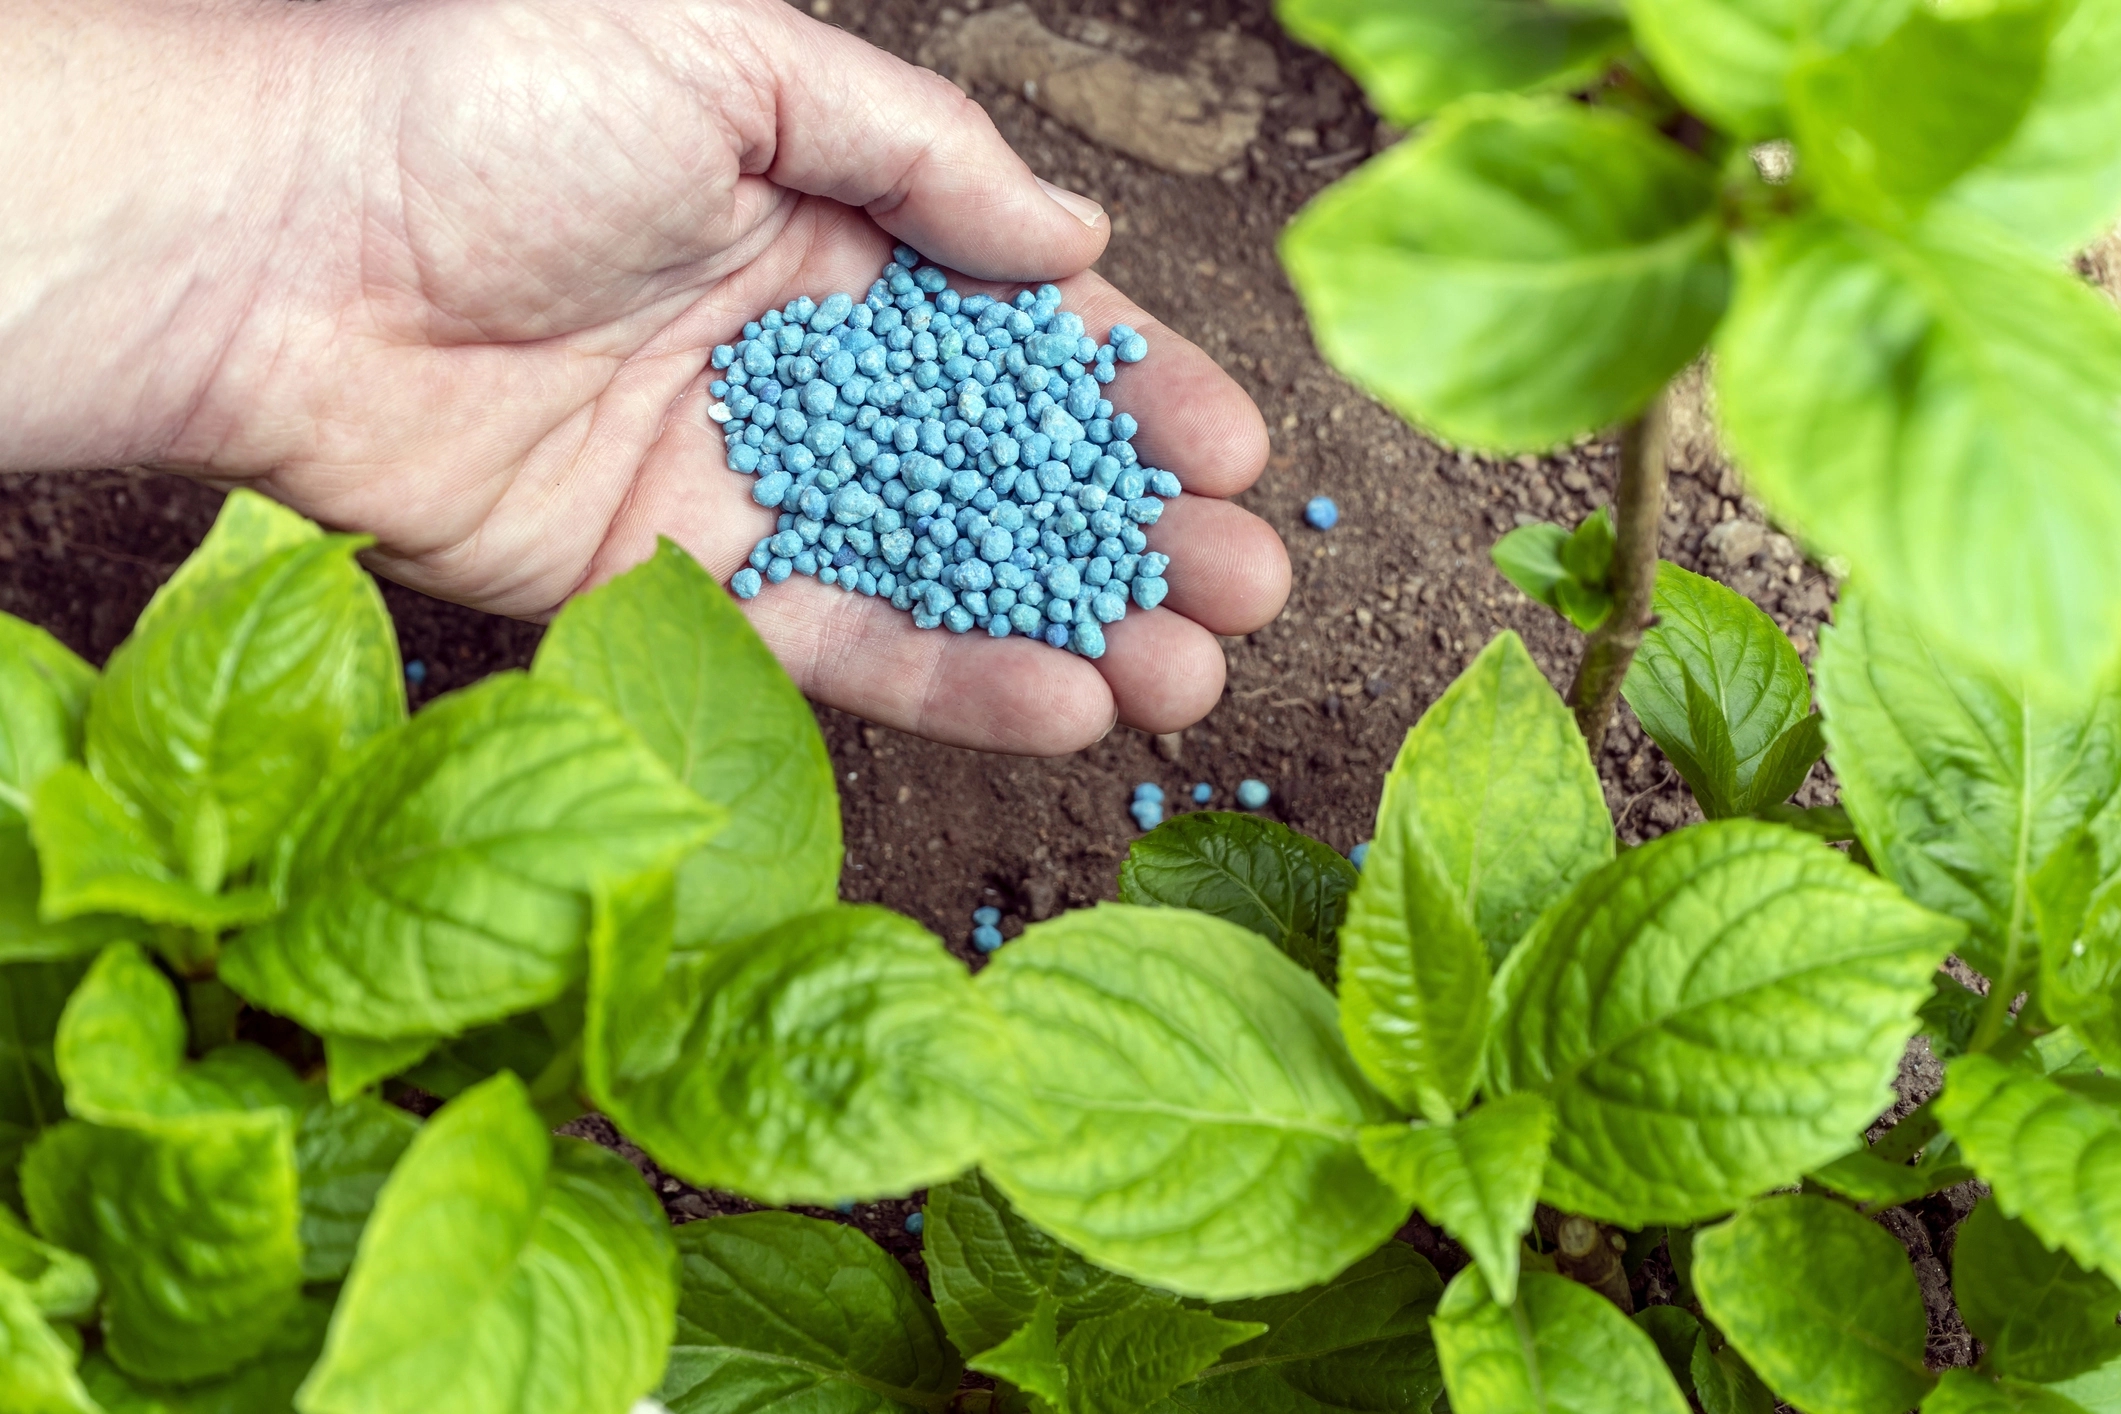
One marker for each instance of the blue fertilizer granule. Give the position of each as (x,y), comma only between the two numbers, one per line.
(1358,854)
(986,917)
(986,937)
(1252,794)
(1320,513)
(1203,793)
(953,454)
(416,672)
(914,1224)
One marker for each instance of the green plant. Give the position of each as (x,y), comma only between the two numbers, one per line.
(1859,208)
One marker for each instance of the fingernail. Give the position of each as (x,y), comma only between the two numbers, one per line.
(1108,727)
(1081,207)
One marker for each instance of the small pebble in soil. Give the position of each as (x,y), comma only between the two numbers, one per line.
(986,937)
(416,672)
(986,917)
(1320,513)
(914,1223)
(1252,794)
(1358,854)
(954,455)
(1203,793)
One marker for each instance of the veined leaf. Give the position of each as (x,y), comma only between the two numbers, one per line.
(1288,888)
(44,691)
(1523,271)
(354,1063)
(2077,912)
(1478,1176)
(1939,410)
(1962,783)
(36,1366)
(31,1096)
(2038,1315)
(1125,1362)
(26,937)
(1414,56)
(1030,1359)
(1964,1392)
(501,1271)
(1530,558)
(344,1153)
(60,1284)
(2051,1153)
(1730,59)
(1822,1302)
(1561,1349)
(1711,1015)
(665,647)
(780,1312)
(1360,1341)
(1238,1173)
(264,1386)
(1712,641)
(440,882)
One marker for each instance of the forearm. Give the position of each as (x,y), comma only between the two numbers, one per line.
(152,155)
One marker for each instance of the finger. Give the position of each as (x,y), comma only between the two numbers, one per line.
(1164,670)
(857,125)
(965,689)
(1229,570)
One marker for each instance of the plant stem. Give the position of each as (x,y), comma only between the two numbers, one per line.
(1638,509)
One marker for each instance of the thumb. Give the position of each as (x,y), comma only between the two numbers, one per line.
(859,126)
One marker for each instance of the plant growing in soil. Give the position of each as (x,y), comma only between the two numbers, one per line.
(1861,209)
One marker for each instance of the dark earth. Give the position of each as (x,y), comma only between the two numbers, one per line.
(1386,608)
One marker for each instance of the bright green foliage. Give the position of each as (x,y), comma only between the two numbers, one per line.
(36,1365)
(1239,1173)
(1880,1183)
(1562,1349)
(1288,888)
(1821,1301)
(1724,1383)
(781,1312)
(344,1152)
(1723,692)
(1478,1176)
(2077,911)
(218,717)
(2038,1315)
(1753,992)
(1964,1392)
(60,1284)
(501,1271)
(265,1386)
(2052,1153)
(31,1097)
(440,882)
(1523,271)
(1568,571)
(666,647)
(1360,1342)
(1961,783)
(1892,396)
(839,1054)
(43,695)
(1491,811)
(1729,59)
(24,936)
(543,1048)
(1123,1363)
(354,1063)
(1414,56)
(1030,1358)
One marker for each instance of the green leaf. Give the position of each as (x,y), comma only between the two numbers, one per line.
(1713,641)
(1712,1015)
(344,1153)
(31,1096)
(97,856)
(61,1284)
(2056,182)
(191,1226)
(1030,1359)
(1951,1015)
(355,1063)
(841,1054)
(1478,1176)
(36,1366)
(1530,558)
(2078,915)
(782,1312)
(248,530)
(1961,783)
(990,1270)
(1786,765)
(1938,411)
(2097,1393)
(264,1386)
(24,936)
(43,694)
(1724,1383)
(1523,271)
(1491,811)
(1884,128)
(1561,1349)
(1826,822)
(543,1048)
(1728,59)
(1414,56)
(2038,1315)
(439,882)
(218,718)
(1585,608)
(1964,1392)
(2051,1154)
(1360,1341)
(1238,1173)
(1588,552)
(1288,888)
(667,648)
(1877,1183)
(502,1271)
(1822,1302)
(1126,1362)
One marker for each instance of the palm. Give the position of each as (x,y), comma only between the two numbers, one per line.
(515,402)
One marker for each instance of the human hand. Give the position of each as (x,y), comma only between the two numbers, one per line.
(479,325)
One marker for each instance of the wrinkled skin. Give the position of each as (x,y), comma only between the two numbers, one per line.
(448,272)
